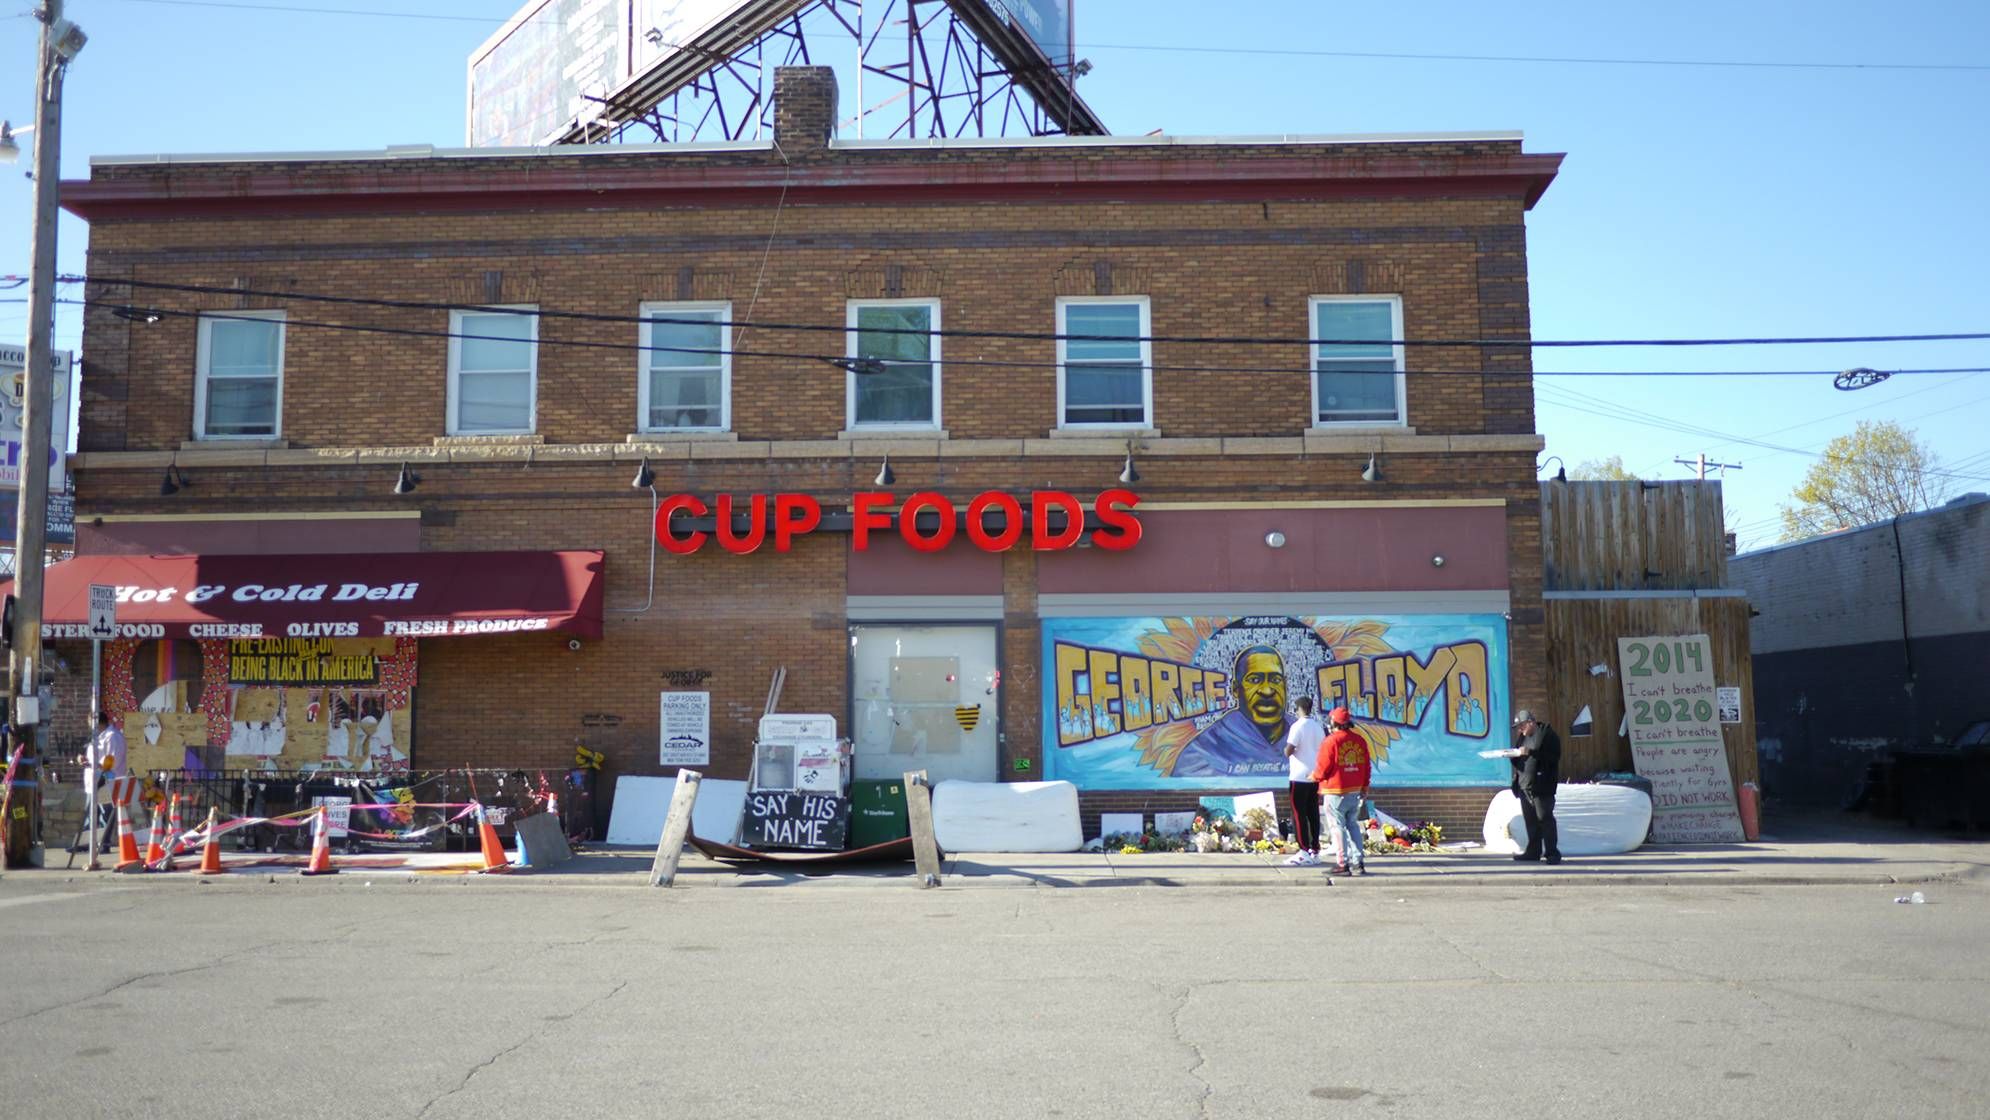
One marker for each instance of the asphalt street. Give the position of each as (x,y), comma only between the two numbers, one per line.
(370,996)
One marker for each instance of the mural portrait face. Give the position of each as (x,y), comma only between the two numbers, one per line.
(1261,689)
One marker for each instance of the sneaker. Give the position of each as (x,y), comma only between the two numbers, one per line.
(1296,860)
(1361,869)
(1340,869)
(1312,859)
(1551,859)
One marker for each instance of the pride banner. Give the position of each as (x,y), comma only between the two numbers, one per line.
(1202,703)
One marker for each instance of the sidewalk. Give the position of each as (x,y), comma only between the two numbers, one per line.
(1818,850)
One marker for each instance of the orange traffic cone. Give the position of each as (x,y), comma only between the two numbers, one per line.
(210,851)
(487,838)
(127,839)
(321,846)
(155,851)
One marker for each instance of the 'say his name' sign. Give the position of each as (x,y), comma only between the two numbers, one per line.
(811,821)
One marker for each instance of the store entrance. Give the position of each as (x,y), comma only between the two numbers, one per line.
(925,697)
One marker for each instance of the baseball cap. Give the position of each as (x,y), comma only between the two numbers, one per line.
(1522,716)
(1340,715)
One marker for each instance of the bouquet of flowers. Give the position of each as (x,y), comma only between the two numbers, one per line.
(1388,839)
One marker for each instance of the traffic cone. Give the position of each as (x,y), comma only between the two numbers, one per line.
(321,846)
(210,850)
(487,837)
(172,844)
(155,851)
(127,839)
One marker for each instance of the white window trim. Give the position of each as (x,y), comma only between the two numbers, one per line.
(202,348)
(531,378)
(643,358)
(1395,303)
(850,379)
(1146,421)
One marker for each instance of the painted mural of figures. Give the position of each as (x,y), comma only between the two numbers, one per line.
(1471,714)
(1250,738)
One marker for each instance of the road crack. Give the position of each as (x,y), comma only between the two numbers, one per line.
(487,1063)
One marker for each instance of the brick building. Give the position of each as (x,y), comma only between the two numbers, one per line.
(278,335)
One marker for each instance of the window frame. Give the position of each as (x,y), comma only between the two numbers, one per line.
(454,426)
(646,336)
(1397,353)
(851,336)
(1146,329)
(204,352)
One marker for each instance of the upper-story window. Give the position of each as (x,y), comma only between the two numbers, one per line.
(493,367)
(905,391)
(686,368)
(1357,366)
(238,390)
(1105,380)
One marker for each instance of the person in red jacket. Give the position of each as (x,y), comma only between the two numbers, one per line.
(1342,771)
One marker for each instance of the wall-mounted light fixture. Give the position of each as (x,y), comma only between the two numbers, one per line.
(175,480)
(1274,539)
(1437,561)
(885,475)
(1128,475)
(1372,472)
(645,477)
(407,482)
(1561,472)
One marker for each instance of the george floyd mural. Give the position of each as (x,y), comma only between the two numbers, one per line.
(1201,703)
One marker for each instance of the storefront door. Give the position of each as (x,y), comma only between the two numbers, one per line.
(925,697)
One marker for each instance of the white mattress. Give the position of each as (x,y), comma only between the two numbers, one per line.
(642,802)
(1007,817)
(1590,820)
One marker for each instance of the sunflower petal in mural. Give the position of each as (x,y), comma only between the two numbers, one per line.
(1352,641)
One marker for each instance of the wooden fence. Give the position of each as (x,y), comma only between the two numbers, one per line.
(1632,536)
(1636,560)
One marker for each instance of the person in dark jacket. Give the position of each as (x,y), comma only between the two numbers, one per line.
(1537,768)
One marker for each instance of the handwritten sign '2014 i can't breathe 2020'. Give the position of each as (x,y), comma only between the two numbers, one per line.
(1670,710)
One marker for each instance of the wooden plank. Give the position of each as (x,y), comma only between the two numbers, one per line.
(919,811)
(676,826)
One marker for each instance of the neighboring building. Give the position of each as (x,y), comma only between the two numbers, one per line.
(1868,641)
(281,439)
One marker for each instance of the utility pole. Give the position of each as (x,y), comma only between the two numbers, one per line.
(1700,465)
(60,42)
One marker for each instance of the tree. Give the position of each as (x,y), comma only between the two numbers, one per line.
(1878,471)
(1609,470)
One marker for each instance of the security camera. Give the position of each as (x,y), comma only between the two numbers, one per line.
(573,643)
(67,38)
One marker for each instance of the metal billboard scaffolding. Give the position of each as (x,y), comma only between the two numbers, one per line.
(675,71)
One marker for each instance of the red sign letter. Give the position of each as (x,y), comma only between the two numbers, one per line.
(756,530)
(1074,520)
(794,515)
(1012,511)
(679,546)
(868,511)
(1122,529)
(908,521)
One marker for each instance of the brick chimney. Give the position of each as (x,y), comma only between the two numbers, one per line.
(804,108)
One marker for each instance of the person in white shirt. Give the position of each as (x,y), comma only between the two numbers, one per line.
(102,761)
(1302,749)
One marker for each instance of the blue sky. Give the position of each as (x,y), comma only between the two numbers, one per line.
(1696,201)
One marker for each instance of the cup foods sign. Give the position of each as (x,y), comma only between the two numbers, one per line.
(991,521)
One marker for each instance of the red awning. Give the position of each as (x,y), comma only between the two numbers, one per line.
(408,594)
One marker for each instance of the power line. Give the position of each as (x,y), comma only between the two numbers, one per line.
(1034,336)
(1575,60)
(1613,412)
(125,309)
(1163,48)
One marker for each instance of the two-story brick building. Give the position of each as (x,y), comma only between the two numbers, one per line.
(351,367)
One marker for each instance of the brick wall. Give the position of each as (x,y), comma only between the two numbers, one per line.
(1223,239)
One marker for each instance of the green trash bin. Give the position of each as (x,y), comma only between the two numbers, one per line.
(877,813)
